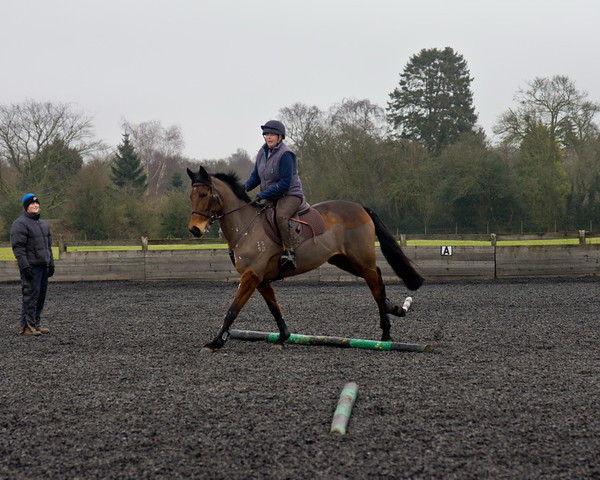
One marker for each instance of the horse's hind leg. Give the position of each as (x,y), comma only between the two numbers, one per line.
(268,293)
(375,282)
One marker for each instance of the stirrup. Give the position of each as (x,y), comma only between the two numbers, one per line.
(287,261)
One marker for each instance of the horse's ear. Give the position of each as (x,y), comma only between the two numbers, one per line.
(203,174)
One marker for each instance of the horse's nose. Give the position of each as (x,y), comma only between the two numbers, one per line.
(195,231)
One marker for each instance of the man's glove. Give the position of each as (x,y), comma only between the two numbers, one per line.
(50,270)
(28,274)
(258,202)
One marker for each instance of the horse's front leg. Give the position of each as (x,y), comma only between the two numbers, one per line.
(268,293)
(246,288)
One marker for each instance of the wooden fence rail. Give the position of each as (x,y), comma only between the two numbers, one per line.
(436,263)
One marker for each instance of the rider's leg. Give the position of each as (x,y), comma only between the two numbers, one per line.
(285,208)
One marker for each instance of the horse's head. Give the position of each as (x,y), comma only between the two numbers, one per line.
(205,202)
(211,194)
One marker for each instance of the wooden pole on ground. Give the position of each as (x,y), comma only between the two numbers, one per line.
(299,339)
(341,416)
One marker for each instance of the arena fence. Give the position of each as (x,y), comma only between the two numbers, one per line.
(437,263)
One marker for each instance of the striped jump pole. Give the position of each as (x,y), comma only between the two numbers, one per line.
(298,339)
(341,416)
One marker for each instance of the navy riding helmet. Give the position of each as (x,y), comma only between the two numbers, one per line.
(274,126)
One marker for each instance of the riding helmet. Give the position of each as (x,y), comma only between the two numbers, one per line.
(274,126)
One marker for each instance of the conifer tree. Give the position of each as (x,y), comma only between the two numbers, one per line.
(433,103)
(127,169)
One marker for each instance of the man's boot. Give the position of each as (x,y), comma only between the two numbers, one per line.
(27,330)
(288,260)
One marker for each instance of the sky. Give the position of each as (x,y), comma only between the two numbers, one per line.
(219,69)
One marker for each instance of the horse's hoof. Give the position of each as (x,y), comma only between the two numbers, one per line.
(278,346)
(208,348)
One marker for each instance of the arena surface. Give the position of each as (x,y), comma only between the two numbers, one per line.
(119,388)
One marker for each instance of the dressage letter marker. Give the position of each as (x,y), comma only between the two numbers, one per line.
(299,339)
(344,408)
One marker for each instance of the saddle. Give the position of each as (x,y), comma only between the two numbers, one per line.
(306,222)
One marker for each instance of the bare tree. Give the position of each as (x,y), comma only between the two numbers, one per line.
(554,102)
(156,145)
(301,122)
(360,114)
(26,128)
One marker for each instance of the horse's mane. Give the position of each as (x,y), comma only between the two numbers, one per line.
(233,181)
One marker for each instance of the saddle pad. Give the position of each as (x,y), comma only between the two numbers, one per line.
(307,226)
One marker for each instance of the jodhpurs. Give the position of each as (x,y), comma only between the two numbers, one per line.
(284,209)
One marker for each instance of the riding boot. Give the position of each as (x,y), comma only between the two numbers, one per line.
(288,260)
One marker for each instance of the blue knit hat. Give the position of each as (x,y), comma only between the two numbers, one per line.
(29,199)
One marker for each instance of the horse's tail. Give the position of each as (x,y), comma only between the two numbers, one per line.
(394,255)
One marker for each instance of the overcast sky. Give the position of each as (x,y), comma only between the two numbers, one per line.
(219,69)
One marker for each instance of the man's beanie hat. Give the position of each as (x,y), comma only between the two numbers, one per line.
(29,199)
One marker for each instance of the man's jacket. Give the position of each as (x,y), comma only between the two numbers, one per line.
(31,241)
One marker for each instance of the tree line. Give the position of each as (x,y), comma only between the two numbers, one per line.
(421,161)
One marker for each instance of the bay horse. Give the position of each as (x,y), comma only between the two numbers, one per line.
(348,242)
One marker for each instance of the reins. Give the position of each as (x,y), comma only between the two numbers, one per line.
(214,215)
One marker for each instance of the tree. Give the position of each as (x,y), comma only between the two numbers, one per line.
(157,146)
(174,214)
(476,187)
(434,102)
(555,103)
(583,169)
(25,129)
(415,189)
(340,153)
(301,122)
(89,214)
(51,171)
(127,170)
(543,186)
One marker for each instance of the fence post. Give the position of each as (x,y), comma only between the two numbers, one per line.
(581,237)
(62,248)
(493,239)
(144,244)
(403,239)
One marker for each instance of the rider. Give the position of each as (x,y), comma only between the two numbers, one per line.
(276,171)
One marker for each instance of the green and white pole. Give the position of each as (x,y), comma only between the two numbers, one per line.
(342,342)
(341,416)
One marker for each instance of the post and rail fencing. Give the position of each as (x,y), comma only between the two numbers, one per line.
(492,258)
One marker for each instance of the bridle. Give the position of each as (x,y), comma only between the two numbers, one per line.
(213,215)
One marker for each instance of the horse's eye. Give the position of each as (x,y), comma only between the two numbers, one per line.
(202,195)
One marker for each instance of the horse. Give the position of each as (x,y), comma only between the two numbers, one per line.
(348,242)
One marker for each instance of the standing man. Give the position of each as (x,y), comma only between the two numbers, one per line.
(32,245)
(276,171)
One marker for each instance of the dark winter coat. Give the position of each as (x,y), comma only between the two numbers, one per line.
(31,241)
